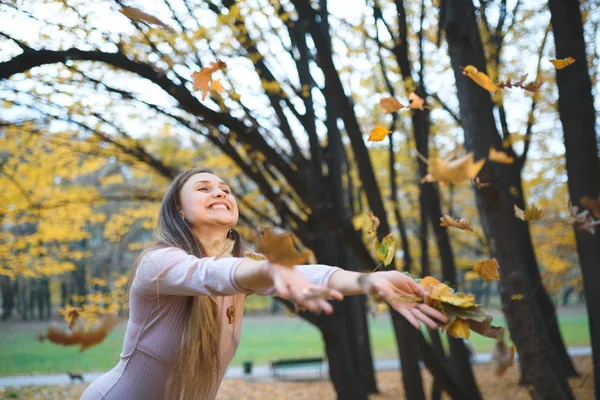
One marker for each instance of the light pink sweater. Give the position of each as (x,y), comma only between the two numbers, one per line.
(157,314)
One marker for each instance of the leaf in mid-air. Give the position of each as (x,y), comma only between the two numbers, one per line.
(416,102)
(487,269)
(367,222)
(135,14)
(203,79)
(531,213)
(458,170)
(390,104)
(500,157)
(592,204)
(281,249)
(480,78)
(378,134)
(463,224)
(85,338)
(563,63)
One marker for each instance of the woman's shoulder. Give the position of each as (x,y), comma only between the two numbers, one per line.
(161,254)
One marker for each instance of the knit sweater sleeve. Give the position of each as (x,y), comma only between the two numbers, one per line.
(317,274)
(171,271)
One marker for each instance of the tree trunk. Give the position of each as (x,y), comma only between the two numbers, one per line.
(8,297)
(509,237)
(577,115)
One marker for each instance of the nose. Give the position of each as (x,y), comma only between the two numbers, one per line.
(220,193)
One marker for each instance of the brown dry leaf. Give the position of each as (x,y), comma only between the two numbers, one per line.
(95,335)
(500,157)
(416,102)
(533,86)
(459,329)
(378,134)
(480,78)
(478,184)
(203,79)
(531,213)
(282,249)
(485,328)
(503,357)
(73,317)
(135,14)
(592,204)
(463,224)
(582,221)
(390,104)
(487,269)
(458,170)
(563,63)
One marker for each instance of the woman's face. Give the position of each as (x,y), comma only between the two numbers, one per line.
(206,201)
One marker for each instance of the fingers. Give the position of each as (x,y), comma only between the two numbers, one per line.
(409,317)
(424,318)
(432,312)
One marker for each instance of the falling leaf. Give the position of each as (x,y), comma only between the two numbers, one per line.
(135,14)
(500,157)
(378,134)
(471,276)
(478,184)
(592,204)
(459,329)
(281,249)
(222,248)
(416,102)
(390,104)
(487,269)
(533,86)
(503,356)
(531,213)
(463,224)
(563,63)
(203,79)
(95,335)
(480,78)
(485,328)
(367,222)
(73,317)
(457,170)
(517,297)
(216,86)
(582,221)
(384,251)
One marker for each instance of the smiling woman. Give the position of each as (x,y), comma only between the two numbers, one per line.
(184,327)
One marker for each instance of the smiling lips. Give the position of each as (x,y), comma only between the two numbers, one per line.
(218,206)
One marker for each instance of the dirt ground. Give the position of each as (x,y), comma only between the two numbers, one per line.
(390,386)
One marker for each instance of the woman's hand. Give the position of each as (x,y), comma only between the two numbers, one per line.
(398,289)
(289,283)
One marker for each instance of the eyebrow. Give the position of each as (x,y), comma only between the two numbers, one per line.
(207,181)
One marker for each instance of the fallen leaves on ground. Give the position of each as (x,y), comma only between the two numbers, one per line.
(462,223)
(282,248)
(78,335)
(480,78)
(563,63)
(500,157)
(531,213)
(487,269)
(135,14)
(378,134)
(203,79)
(457,170)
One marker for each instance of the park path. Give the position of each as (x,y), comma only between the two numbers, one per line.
(258,372)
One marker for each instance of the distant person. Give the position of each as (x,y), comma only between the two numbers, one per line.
(185,305)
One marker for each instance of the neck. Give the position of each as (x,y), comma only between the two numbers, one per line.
(213,242)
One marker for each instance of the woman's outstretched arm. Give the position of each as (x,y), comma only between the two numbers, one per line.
(393,287)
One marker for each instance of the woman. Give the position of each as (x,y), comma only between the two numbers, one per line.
(186,301)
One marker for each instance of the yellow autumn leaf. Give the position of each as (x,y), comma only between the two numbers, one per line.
(487,269)
(135,14)
(563,63)
(462,300)
(531,213)
(217,86)
(384,251)
(500,157)
(378,134)
(458,170)
(463,224)
(517,297)
(203,79)
(459,329)
(390,104)
(281,249)
(367,222)
(471,276)
(480,78)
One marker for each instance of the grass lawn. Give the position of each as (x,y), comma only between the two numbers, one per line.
(263,339)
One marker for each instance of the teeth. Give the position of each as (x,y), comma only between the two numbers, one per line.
(218,207)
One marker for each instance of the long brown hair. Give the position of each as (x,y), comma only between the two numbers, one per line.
(194,373)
